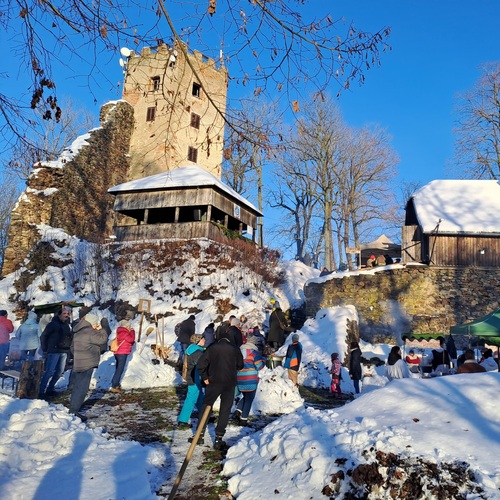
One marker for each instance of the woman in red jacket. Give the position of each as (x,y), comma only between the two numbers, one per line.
(126,339)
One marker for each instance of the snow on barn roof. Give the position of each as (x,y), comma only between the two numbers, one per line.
(459,206)
(183,177)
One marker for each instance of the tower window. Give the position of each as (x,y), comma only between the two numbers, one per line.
(192,154)
(195,120)
(151,113)
(197,90)
(155,83)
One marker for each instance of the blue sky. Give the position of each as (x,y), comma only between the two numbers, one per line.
(437,47)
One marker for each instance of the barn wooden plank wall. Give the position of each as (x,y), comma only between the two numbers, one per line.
(411,248)
(468,251)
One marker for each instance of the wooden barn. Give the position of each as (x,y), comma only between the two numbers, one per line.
(453,223)
(187,202)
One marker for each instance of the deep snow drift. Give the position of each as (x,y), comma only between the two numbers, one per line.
(47,453)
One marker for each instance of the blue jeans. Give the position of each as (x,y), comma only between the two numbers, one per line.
(4,350)
(356,385)
(121,360)
(194,397)
(245,403)
(54,368)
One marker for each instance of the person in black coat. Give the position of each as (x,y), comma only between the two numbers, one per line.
(355,370)
(218,367)
(234,333)
(187,330)
(55,342)
(277,327)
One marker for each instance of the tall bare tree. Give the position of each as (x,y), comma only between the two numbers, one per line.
(10,193)
(293,191)
(271,47)
(477,147)
(346,174)
(250,144)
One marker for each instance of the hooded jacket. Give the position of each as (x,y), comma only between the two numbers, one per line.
(253,362)
(88,344)
(126,339)
(27,334)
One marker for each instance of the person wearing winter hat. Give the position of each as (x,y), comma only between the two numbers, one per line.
(247,380)
(234,333)
(27,333)
(293,358)
(277,327)
(125,336)
(195,393)
(89,342)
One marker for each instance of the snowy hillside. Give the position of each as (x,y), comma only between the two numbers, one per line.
(414,438)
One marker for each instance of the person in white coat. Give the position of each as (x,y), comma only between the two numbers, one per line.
(396,367)
(29,337)
(489,361)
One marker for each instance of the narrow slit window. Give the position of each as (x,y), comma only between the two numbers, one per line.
(197,90)
(151,113)
(155,83)
(192,154)
(195,120)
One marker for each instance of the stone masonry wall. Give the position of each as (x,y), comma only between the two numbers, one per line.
(416,299)
(75,197)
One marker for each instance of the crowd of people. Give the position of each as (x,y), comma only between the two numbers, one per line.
(224,362)
(221,362)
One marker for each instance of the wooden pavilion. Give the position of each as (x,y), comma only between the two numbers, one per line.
(186,203)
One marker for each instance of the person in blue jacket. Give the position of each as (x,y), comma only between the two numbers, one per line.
(293,358)
(195,392)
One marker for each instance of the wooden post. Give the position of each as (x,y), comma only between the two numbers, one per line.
(29,379)
(140,327)
(201,427)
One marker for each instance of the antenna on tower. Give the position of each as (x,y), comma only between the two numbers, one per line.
(125,52)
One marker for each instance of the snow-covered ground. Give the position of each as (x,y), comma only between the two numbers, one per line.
(47,453)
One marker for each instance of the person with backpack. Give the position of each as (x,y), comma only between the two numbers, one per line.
(190,374)
(293,358)
(223,328)
(248,380)
(125,338)
(55,343)
(277,327)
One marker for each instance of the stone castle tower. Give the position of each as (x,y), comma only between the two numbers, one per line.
(165,120)
(176,123)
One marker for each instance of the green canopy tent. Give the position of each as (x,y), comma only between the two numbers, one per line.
(55,306)
(419,337)
(486,328)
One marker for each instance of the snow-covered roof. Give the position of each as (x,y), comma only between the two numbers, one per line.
(183,177)
(382,242)
(459,206)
